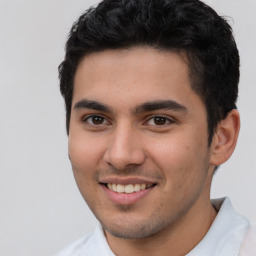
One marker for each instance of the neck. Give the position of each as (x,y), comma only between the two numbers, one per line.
(176,240)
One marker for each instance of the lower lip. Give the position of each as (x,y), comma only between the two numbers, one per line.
(125,198)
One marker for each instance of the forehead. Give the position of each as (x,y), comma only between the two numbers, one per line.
(133,75)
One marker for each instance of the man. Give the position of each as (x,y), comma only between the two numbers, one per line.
(150,88)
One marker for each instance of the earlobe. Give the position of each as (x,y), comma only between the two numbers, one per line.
(225,138)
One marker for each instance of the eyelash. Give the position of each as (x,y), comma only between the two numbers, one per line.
(167,120)
(87,118)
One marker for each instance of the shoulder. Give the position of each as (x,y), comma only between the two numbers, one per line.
(248,246)
(77,247)
(93,244)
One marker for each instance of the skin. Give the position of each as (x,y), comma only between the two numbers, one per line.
(127,140)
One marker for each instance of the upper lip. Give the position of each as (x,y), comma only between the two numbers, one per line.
(126,181)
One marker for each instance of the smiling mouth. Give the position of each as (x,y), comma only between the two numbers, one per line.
(127,189)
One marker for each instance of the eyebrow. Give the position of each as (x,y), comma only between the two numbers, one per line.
(160,104)
(91,104)
(145,107)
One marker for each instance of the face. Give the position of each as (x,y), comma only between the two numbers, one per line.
(138,141)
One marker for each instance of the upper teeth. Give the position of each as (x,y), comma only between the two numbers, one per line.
(131,188)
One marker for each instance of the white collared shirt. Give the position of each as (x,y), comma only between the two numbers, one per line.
(223,238)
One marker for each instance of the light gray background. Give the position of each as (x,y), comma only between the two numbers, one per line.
(41,209)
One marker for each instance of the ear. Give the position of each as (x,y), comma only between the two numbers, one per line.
(225,138)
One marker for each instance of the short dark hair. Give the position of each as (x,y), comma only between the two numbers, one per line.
(189,26)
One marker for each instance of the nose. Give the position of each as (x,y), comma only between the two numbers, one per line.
(125,148)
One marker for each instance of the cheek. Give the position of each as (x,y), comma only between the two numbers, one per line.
(83,151)
(83,159)
(181,159)
(176,151)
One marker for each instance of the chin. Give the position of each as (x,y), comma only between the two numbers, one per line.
(135,230)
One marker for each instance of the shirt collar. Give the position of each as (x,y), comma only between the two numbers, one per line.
(223,238)
(226,233)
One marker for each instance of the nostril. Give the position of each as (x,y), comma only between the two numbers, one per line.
(123,159)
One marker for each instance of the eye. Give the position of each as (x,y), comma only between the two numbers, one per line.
(95,120)
(159,121)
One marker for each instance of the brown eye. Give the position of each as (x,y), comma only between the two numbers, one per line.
(159,120)
(95,120)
